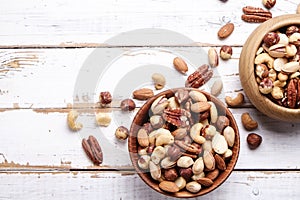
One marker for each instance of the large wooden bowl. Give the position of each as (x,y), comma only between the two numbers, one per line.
(143,116)
(247,74)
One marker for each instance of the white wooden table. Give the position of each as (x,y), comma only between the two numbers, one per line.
(43,48)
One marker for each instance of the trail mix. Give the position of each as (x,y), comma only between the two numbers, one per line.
(186,143)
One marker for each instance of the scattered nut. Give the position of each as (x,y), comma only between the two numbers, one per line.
(143,94)
(127,105)
(225,30)
(213,57)
(105,99)
(217,87)
(248,123)
(71,120)
(269,3)
(121,133)
(235,102)
(180,65)
(92,149)
(103,119)
(226,52)
(159,81)
(254,140)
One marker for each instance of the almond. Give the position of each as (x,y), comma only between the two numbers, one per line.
(168,186)
(212,175)
(143,94)
(142,137)
(200,107)
(220,163)
(225,30)
(205,182)
(180,65)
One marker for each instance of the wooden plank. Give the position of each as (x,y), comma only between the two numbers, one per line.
(90,24)
(39,140)
(47,78)
(92,185)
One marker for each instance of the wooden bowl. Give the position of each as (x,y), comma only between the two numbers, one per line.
(142,116)
(247,74)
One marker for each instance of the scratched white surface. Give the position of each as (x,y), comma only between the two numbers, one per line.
(37,78)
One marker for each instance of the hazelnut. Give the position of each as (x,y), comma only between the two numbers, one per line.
(225,52)
(105,98)
(186,173)
(121,133)
(170,174)
(271,38)
(127,105)
(269,3)
(254,140)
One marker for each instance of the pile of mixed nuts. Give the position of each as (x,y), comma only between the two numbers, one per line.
(277,66)
(186,142)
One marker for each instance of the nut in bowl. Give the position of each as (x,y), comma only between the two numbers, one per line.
(269,68)
(184,142)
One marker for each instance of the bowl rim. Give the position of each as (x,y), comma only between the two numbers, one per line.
(247,75)
(132,146)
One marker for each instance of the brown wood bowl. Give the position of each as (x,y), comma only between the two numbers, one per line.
(142,116)
(247,74)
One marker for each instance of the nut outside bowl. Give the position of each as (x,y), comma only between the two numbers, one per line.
(247,74)
(142,116)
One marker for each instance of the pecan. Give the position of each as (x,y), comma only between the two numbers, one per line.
(199,77)
(298,94)
(292,93)
(190,148)
(178,117)
(255,14)
(93,149)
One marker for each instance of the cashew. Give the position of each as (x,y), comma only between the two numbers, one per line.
(248,123)
(164,139)
(195,133)
(156,133)
(235,102)
(264,58)
(71,120)
(277,92)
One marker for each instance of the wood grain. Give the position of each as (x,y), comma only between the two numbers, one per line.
(247,74)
